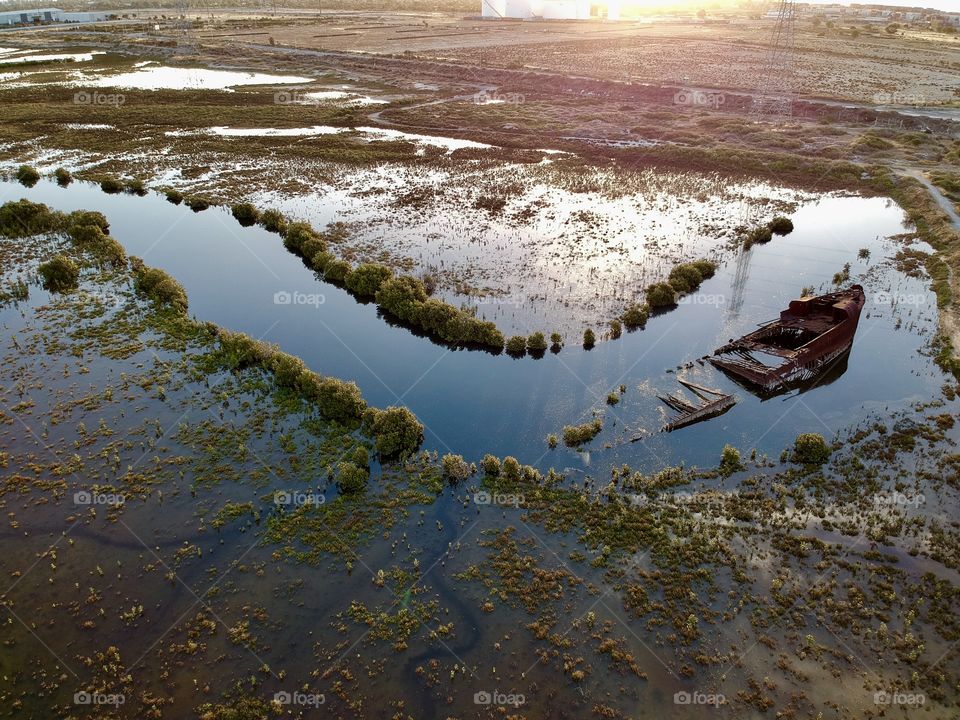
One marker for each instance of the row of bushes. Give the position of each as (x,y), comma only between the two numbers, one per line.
(683,278)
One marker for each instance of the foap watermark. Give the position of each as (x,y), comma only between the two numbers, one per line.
(698,698)
(899,698)
(286,97)
(296,499)
(485,498)
(703,98)
(485,97)
(300,699)
(899,98)
(498,698)
(912,299)
(283,297)
(702,299)
(889,499)
(92,97)
(96,698)
(508,299)
(85,497)
(102,297)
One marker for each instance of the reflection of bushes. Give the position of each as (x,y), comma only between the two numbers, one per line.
(517,345)
(27,176)
(395,431)
(60,274)
(364,280)
(111,185)
(245,213)
(157,285)
(578,434)
(197,204)
(537,343)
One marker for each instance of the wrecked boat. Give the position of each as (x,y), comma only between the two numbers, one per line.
(713,403)
(809,335)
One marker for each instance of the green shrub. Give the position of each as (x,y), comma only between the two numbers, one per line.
(111,185)
(60,274)
(135,187)
(517,345)
(781,225)
(27,176)
(685,278)
(468,329)
(490,465)
(510,470)
(365,279)
(730,461)
(62,176)
(552,441)
(351,478)
(612,398)
(197,204)
(320,260)
(22,218)
(578,434)
(395,431)
(616,329)
(635,316)
(92,239)
(761,234)
(336,271)
(157,285)
(661,295)
(810,449)
(88,217)
(706,268)
(174,196)
(556,340)
(273,221)
(537,343)
(301,239)
(455,468)
(245,213)
(336,399)
(589,339)
(437,318)
(401,296)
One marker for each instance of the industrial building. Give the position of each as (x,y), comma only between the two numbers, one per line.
(48,15)
(549,9)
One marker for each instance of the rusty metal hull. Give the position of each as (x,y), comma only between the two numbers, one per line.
(808,336)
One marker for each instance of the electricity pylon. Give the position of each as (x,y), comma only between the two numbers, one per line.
(776,89)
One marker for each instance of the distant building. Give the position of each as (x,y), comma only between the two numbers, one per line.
(48,15)
(544,9)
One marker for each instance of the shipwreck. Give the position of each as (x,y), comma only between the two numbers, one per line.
(711,404)
(808,336)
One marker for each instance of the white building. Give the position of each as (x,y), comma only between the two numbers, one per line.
(541,9)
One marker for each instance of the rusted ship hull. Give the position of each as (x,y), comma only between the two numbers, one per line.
(808,336)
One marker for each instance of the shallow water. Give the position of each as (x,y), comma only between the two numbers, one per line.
(472,402)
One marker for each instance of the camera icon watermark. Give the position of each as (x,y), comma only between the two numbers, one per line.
(911,299)
(297,499)
(283,297)
(499,699)
(889,499)
(85,97)
(300,699)
(96,698)
(85,497)
(485,97)
(896,697)
(286,97)
(702,98)
(699,698)
(702,299)
(509,499)
(899,98)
